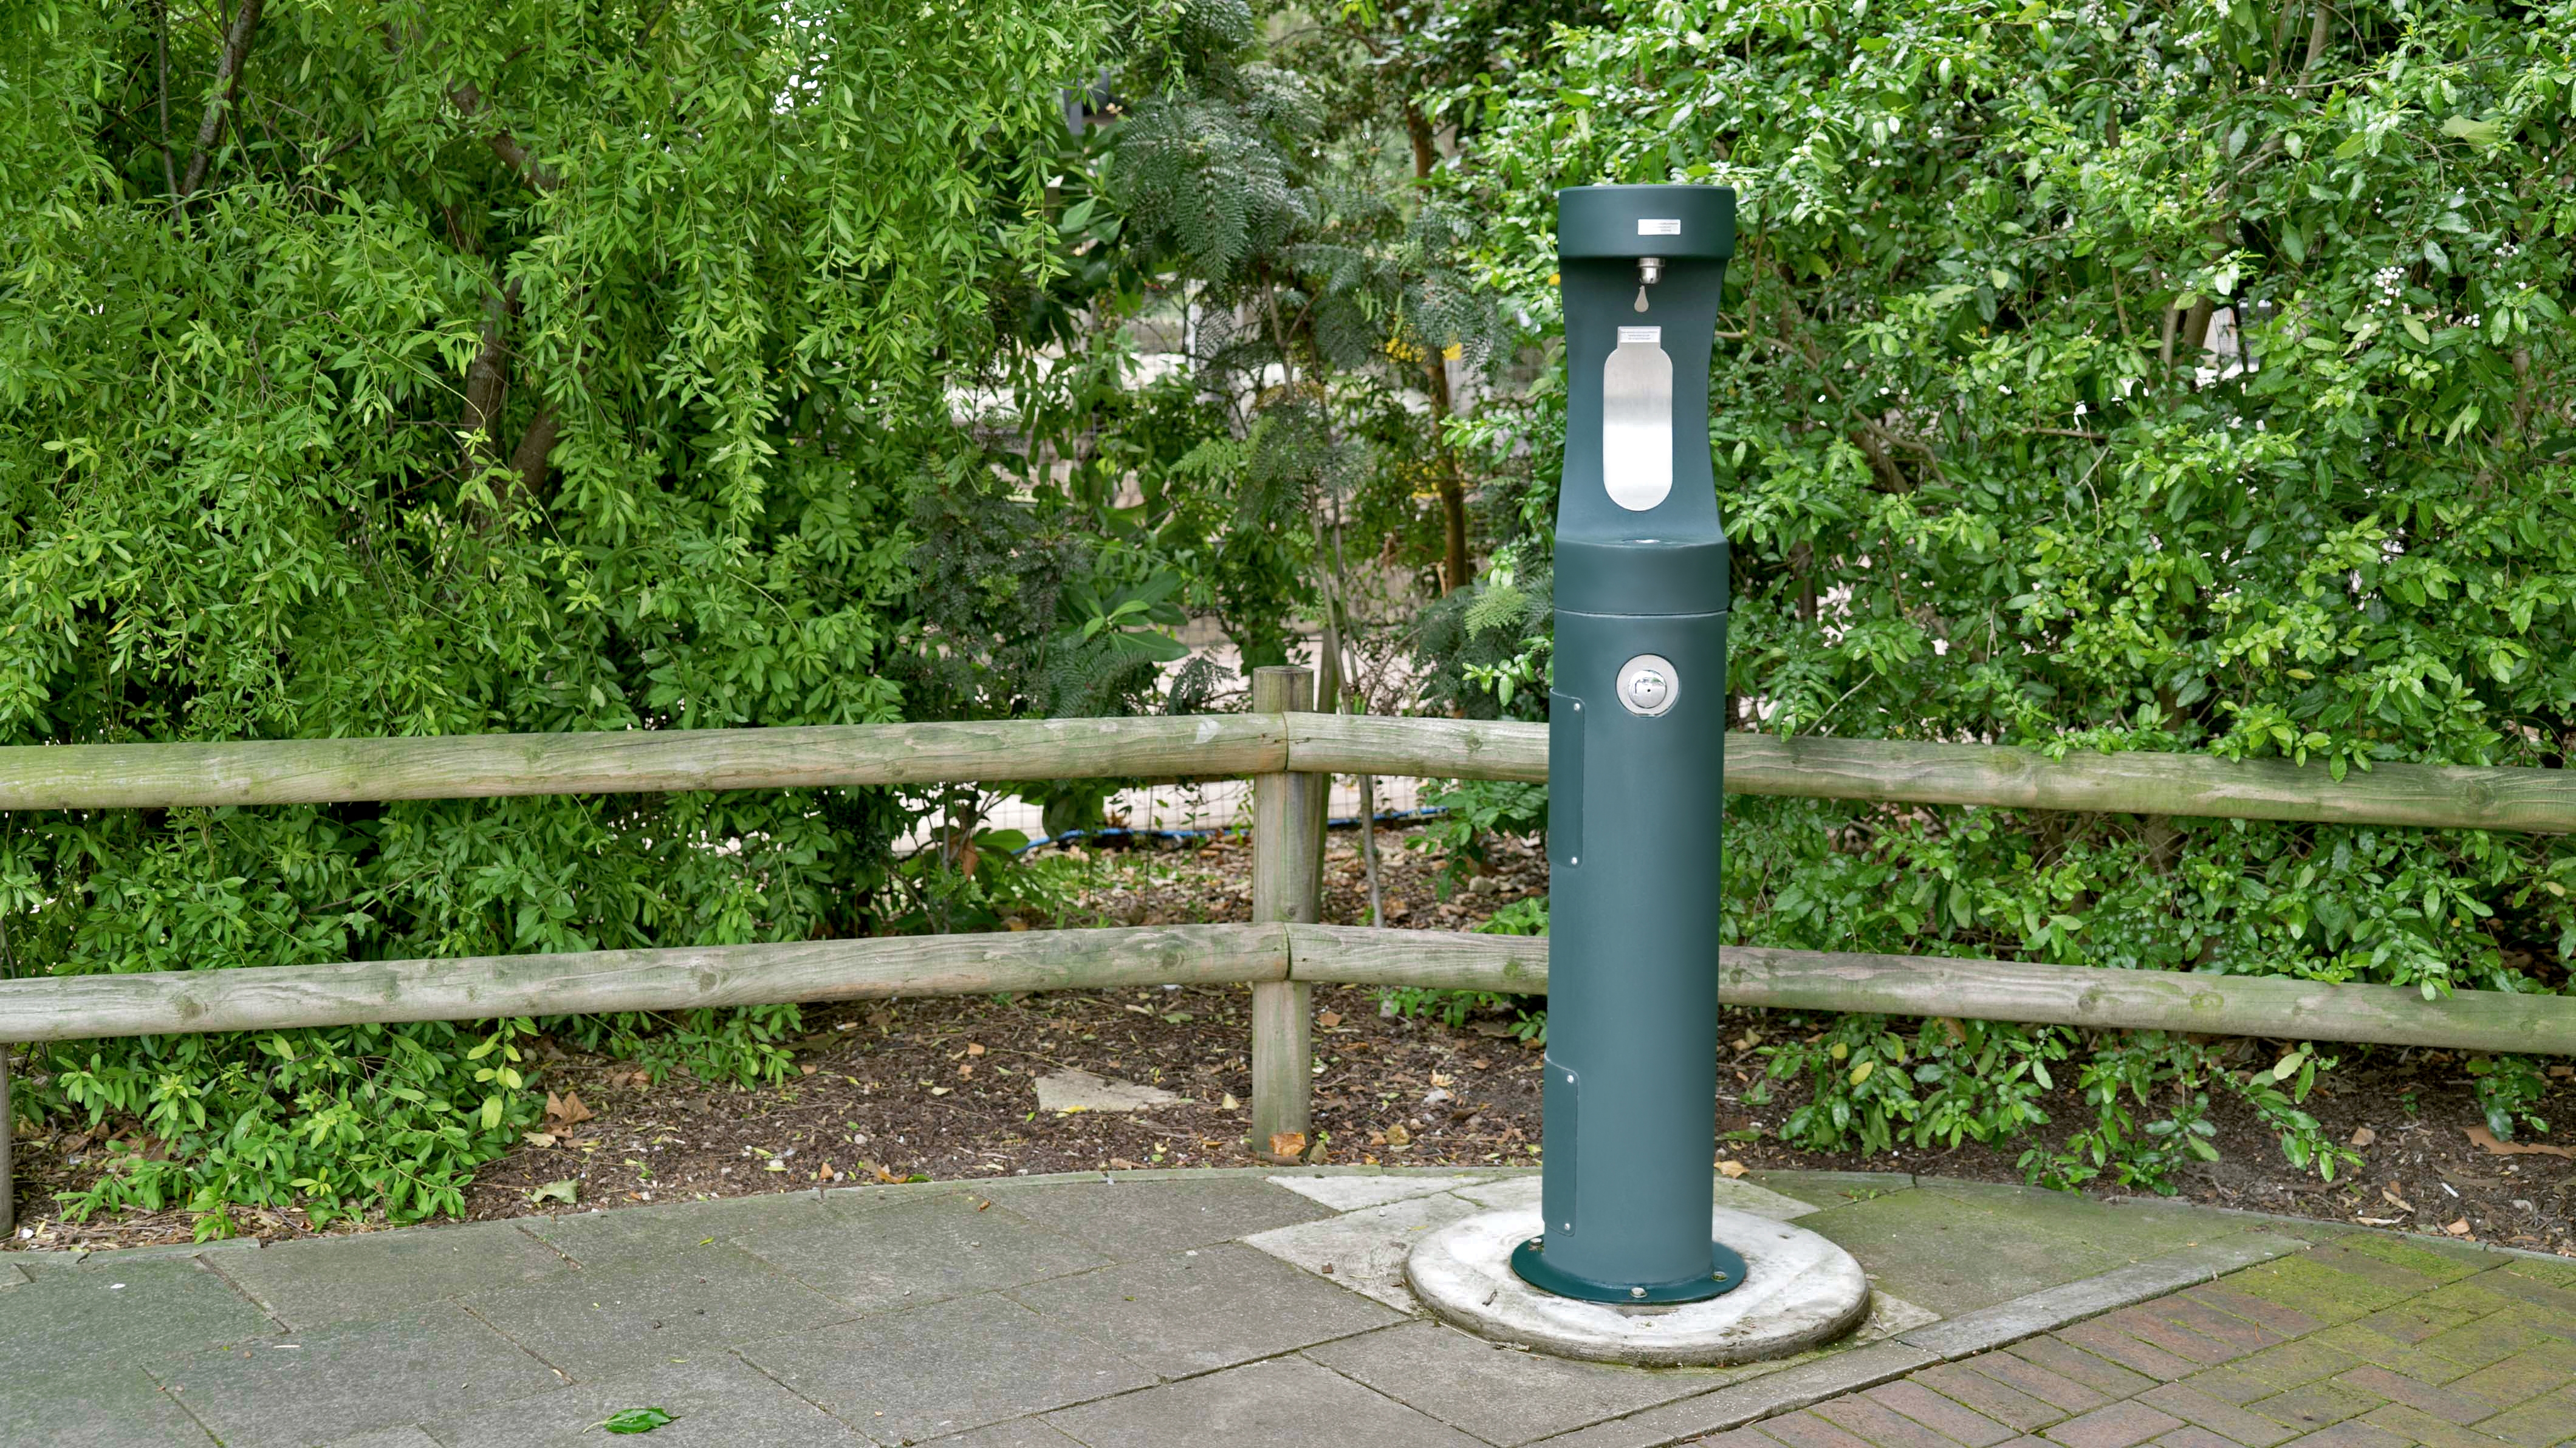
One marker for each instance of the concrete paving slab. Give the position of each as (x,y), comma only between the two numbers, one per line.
(1504,1395)
(1943,1251)
(594,1323)
(905,1377)
(14,1276)
(916,1252)
(1832,1188)
(1204,1308)
(94,1404)
(715,1401)
(1018,1433)
(631,1234)
(1733,1194)
(405,1437)
(311,1387)
(1365,1250)
(342,1279)
(1350,1191)
(1280,1403)
(1140,1219)
(146,1309)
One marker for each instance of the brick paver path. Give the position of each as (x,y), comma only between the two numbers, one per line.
(2372,1342)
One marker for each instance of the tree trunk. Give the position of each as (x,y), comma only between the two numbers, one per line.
(227,82)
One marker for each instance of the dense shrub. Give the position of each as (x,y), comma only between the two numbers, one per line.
(521,367)
(1995,471)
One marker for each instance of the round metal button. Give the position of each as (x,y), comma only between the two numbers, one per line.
(1648,685)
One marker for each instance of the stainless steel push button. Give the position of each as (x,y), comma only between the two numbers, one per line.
(1648,685)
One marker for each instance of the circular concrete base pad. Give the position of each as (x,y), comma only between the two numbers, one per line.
(1799,1291)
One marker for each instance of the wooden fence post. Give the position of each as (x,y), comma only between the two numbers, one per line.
(8,1178)
(1287,885)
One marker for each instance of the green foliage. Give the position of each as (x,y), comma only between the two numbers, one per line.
(1471,813)
(518,368)
(1994,471)
(1453,1008)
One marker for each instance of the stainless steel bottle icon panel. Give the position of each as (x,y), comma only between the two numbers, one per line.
(1637,420)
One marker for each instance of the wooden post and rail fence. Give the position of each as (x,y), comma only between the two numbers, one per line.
(1291,752)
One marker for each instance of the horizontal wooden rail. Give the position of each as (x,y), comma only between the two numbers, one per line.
(70,1007)
(477,766)
(276,997)
(1987,990)
(1902,772)
(308,771)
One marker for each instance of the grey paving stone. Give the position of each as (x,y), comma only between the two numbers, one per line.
(404,1437)
(351,1377)
(944,1369)
(2055,1307)
(1346,1191)
(1832,1188)
(1131,1219)
(1954,1255)
(1280,1403)
(343,1279)
(1365,1250)
(630,1235)
(1018,1433)
(1783,1390)
(13,1275)
(93,1404)
(69,1315)
(595,1323)
(911,1253)
(1501,1394)
(715,1401)
(1204,1308)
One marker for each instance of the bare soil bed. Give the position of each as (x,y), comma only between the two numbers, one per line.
(944,1089)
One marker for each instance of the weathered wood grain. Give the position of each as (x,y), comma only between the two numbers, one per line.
(1287,885)
(1993,990)
(54,1008)
(471,766)
(306,771)
(1895,771)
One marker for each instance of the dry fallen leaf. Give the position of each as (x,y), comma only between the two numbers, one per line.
(1437,1079)
(966,1071)
(2487,1140)
(2459,1228)
(973,1049)
(567,1108)
(1396,1135)
(1480,1064)
(566,1191)
(1329,1019)
(1287,1143)
(1230,1104)
(538,1138)
(2364,1136)
(1120,1163)
(1730,1169)
(810,1069)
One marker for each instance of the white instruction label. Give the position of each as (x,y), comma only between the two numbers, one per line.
(1668,226)
(1651,336)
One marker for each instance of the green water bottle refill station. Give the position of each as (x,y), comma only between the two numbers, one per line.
(1628,1252)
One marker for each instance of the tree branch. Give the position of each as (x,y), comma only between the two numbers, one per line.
(469,99)
(227,82)
(530,459)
